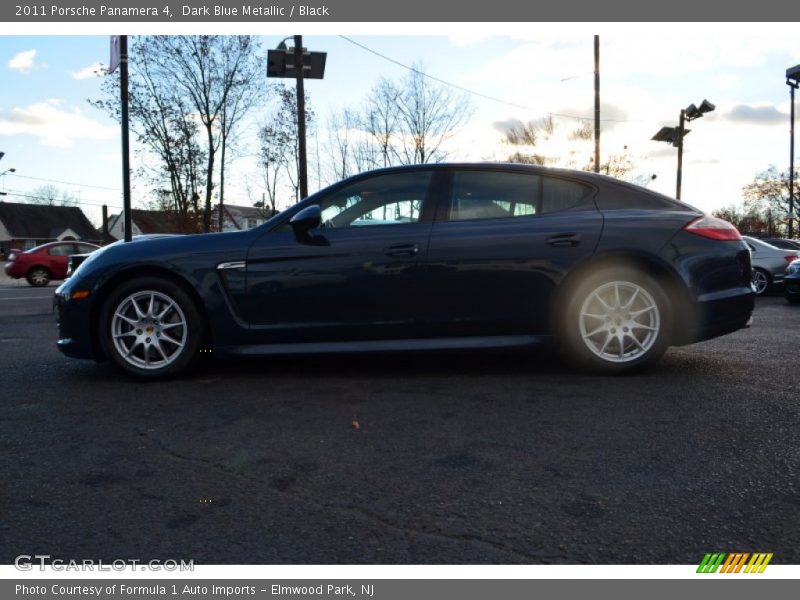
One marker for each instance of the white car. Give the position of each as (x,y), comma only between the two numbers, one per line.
(769,263)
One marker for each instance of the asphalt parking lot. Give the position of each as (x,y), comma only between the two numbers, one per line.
(417,458)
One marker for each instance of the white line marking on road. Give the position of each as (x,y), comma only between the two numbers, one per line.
(28,298)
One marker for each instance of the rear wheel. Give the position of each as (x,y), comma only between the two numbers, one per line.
(38,276)
(617,320)
(760,280)
(151,328)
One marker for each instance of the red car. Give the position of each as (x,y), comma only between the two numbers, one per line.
(49,261)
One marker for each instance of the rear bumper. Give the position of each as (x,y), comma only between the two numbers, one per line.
(719,314)
(11,271)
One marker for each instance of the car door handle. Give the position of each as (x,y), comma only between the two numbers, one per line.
(402,250)
(564,240)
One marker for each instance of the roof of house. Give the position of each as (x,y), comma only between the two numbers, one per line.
(238,214)
(159,221)
(247,212)
(42,222)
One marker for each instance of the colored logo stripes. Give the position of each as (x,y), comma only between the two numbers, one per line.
(735,562)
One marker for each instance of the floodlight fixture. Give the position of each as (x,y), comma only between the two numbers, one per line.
(675,135)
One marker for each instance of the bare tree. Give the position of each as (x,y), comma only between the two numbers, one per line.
(381,121)
(209,71)
(428,115)
(50,195)
(530,141)
(398,123)
(279,144)
(163,124)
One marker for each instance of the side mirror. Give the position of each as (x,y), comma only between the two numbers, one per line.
(307,219)
(303,222)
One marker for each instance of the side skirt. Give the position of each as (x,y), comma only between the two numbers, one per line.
(461,343)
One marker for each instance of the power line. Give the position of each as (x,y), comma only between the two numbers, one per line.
(72,202)
(442,81)
(86,185)
(467,90)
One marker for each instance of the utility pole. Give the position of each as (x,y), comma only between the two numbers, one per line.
(126,162)
(596,103)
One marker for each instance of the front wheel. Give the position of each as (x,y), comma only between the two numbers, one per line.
(151,328)
(618,320)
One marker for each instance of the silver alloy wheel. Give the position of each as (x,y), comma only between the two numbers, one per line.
(39,277)
(760,281)
(619,321)
(149,330)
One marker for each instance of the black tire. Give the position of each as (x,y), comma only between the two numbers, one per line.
(629,333)
(38,276)
(760,275)
(156,347)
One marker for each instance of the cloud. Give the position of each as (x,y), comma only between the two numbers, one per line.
(24,62)
(756,115)
(53,125)
(92,70)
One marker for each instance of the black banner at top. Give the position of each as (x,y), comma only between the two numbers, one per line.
(335,11)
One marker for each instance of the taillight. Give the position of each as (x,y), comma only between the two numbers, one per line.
(713,228)
(791,258)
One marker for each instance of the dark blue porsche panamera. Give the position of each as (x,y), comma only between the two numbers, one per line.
(424,257)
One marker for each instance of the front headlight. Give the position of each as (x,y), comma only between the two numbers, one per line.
(793,268)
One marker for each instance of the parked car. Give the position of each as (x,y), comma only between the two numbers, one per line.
(43,263)
(791,282)
(465,256)
(782,243)
(769,263)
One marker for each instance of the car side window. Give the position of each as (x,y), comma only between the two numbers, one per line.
(391,199)
(84,248)
(493,195)
(61,250)
(562,194)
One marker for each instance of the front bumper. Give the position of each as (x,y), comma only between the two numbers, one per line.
(74,325)
(791,285)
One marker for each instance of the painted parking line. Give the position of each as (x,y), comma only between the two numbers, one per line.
(28,298)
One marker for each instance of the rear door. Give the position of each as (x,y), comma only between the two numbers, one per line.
(501,243)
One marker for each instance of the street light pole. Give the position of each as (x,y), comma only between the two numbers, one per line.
(793,81)
(302,167)
(792,87)
(306,65)
(675,135)
(681,128)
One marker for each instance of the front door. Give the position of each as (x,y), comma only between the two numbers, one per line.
(357,277)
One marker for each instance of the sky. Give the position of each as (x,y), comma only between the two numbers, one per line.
(51,135)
